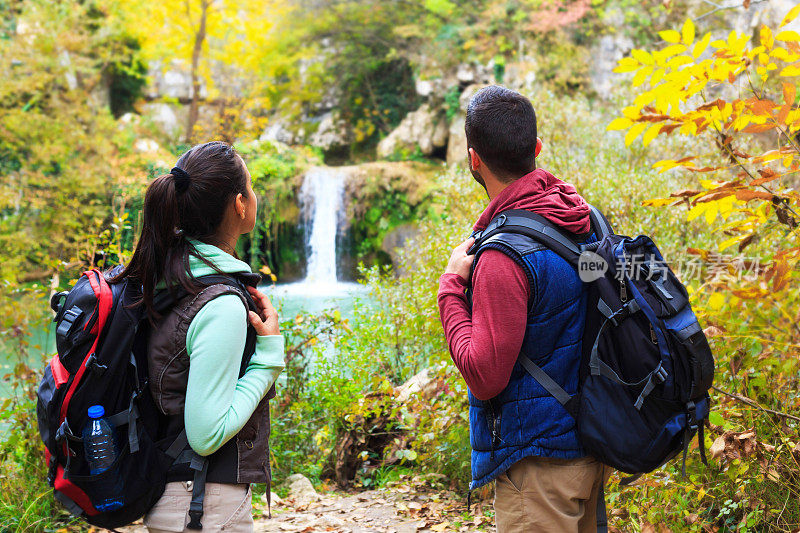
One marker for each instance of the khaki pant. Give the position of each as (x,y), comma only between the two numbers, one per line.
(227,507)
(543,494)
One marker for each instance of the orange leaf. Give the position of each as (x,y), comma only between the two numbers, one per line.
(762,107)
(784,113)
(716,195)
(767,175)
(758,128)
(745,195)
(669,128)
(789,93)
(746,241)
(685,193)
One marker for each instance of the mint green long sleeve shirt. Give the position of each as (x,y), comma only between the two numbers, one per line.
(218,402)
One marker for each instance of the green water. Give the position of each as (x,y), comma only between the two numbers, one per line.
(289,300)
(41,347)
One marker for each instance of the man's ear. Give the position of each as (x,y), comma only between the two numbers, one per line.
(538,147)
(474,159)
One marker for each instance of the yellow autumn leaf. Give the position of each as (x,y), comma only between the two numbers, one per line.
(439,528)
(788,36)
(701,46)
(658,202)
(727,243)
(696,211)
(711,212)
(658,75)
(791,70)
(651,134)
(767,40)
(716,301)
(671,36)
(688,32)
(673,50)
(790,16)
(678,61)
(634,132)
(642,56)
(666,164)
(627,67)
(631,112)
(641,76)
(620,123)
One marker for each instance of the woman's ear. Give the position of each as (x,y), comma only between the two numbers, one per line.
(239,206)
(538,147)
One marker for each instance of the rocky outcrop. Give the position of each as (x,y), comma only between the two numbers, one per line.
(332,132)
(398,239)
(301,491)
(171,81)
(165,117)
(425,128)
(457,141)
(608,50)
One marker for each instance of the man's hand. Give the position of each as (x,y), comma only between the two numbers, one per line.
(460,263)
(266,320)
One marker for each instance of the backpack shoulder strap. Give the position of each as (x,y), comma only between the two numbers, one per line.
(602,228)
(163,299)
(538,228)
(534,226)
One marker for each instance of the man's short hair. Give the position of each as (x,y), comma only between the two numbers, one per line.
(501,127)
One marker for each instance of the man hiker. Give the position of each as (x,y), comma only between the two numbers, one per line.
(521,300)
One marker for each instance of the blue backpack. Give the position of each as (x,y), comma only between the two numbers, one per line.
(646,364)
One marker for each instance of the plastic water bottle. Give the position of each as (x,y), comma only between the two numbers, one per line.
(101,452)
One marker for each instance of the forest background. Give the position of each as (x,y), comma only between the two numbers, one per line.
(678,118)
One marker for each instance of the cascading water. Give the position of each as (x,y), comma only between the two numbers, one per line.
(322,202)
(321,197)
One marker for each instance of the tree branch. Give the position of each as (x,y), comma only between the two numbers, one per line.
(752,403)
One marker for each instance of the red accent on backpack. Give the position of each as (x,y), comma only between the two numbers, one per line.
(69,490)
(60,374)
(105,301)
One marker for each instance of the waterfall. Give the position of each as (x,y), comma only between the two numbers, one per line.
(321,197)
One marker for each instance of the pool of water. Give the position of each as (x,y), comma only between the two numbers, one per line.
(293,298)
(288,299)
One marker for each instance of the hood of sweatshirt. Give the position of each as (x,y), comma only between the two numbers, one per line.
(545,195)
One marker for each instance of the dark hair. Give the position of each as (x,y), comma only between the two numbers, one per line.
(190,202)
(501,127)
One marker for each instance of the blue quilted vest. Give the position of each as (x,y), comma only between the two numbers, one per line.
(524,419)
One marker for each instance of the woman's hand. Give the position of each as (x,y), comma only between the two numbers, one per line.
(266,320)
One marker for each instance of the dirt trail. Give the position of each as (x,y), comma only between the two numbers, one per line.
(400,509)
(396,510)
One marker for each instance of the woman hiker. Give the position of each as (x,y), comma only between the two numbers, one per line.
(212,359)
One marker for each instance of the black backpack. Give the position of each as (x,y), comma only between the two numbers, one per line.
(646,364)
(102,360)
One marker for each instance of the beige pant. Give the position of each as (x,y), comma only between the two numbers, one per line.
(227,507)
(542,494)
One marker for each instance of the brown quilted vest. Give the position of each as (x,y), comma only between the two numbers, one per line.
(245,457)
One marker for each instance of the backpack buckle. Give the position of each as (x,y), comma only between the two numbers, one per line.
(52,470)
(95,367)
(661,374)
(194,519)
(64,432)
(691,418)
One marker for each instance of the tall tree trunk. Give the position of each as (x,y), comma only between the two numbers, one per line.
(199,38)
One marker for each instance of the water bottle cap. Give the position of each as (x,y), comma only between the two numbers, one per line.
(96,411)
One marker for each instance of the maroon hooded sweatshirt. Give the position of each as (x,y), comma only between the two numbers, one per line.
(485,341)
